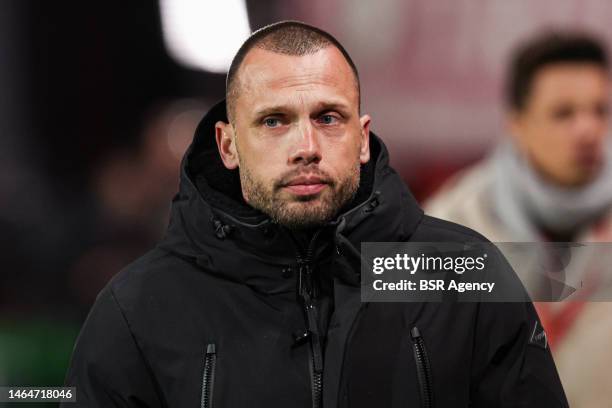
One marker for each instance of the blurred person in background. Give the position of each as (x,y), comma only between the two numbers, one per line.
(551,180)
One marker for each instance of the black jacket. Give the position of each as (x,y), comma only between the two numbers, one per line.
(232,310)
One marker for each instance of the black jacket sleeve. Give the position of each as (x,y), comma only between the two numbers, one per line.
(513,366)
(107,366)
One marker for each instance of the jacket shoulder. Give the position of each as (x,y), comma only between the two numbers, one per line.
(149,275)
(141,268)
(435,229)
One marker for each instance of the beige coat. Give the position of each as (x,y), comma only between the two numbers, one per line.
(582,351)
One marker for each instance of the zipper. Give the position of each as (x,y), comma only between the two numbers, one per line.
(423,368)
(317,389)
(316,369)
(307,291)
(208,378)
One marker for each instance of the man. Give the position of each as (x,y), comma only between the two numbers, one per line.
(253,297)
(551,181)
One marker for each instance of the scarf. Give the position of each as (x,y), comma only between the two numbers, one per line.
(527,203)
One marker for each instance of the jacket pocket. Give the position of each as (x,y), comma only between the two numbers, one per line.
(423,368)
(208,377)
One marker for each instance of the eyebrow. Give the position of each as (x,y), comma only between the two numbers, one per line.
(319,107)
(269,110)
(339,106)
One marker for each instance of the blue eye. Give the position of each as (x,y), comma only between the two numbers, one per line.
(328,119)
(271,122)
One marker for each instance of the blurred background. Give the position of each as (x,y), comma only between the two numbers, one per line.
(99,100)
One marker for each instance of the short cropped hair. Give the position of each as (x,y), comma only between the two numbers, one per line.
(549,48)
(285,37)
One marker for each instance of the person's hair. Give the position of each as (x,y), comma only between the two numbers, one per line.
(284,37)
(549,48)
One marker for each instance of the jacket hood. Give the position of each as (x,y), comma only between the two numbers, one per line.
(212,225)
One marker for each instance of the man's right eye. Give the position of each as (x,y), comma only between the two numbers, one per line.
(563,112)
(271,122)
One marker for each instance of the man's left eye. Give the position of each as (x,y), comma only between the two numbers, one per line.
(328,119)
(272,122)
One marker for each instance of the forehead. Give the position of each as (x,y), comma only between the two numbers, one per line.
(265,75)
(570,81)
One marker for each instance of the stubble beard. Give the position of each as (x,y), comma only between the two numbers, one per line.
(300,212)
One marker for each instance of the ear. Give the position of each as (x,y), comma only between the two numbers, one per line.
(226,143)
(364,151)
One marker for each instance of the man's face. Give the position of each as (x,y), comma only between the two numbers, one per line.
(563,126)
(297,137)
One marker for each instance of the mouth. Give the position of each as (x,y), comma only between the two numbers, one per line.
(306,185)
(588,161)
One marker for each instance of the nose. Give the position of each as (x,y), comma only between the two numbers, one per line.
(306,149)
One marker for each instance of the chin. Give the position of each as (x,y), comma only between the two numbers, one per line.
(581,177)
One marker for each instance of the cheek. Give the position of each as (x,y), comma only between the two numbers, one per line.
(548,135)
(259,155)
(269,176)
(341,160)
(261,170)
(346,146)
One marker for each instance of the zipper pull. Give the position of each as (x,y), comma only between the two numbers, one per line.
(315,338)
(305,280)
(301,336)
(306,292)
